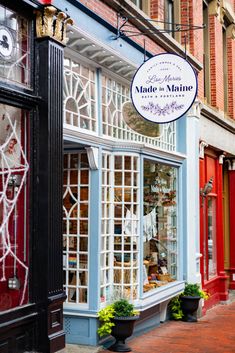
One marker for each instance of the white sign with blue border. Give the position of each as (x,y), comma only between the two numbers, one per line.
(164,88)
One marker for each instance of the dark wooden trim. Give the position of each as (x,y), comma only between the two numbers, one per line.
(47,290)
(9,95)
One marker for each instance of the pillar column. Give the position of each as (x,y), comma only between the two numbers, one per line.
(47,253)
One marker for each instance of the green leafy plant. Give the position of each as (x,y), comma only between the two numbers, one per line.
(175,308)
(105,317)
(120,308)
(192,290)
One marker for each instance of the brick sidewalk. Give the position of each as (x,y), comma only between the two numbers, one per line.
(213,333)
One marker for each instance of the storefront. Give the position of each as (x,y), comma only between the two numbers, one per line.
(130,221)
(216,220)
(31,291)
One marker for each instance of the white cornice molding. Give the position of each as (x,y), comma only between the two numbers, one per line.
(81,138)
(218,118)
(195,110)
(230,31)
(202,146)
(231,164)
(221,158)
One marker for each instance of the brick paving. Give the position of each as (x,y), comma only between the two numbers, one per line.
(213,333)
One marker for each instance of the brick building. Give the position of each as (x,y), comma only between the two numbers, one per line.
(139,217)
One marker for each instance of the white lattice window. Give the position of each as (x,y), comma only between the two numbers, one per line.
(75,224)
(79,95)
(114,94)
(106,230)
(14,47)
(120,226)
(14,167)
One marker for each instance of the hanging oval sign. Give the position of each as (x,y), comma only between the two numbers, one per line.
(164,88)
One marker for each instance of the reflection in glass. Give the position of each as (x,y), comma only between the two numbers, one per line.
(160,236)
(212,260)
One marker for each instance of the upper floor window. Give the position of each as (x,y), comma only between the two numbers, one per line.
(169,16)
(14,47)
(142,5)
(206,54)
(225,69)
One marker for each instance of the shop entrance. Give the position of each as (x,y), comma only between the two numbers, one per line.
(211,229)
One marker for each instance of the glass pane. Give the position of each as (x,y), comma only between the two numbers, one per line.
(212,258)
(120,230)
(160,233)
(15,56)
(80,108)
(14,266)
(76,226)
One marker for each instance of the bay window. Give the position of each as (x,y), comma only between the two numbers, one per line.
(159,225)
(76,227)
(120,226)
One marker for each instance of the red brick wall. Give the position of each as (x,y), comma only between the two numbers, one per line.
(191,13)
(195,37)
(184,19)
(110,15)
(216,62)
(231,77)
(157,9)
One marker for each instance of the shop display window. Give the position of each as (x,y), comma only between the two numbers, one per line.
(14,169)
(120,227)
(160,245)
(211,239)
(76,226)
(15,41)
(79,95)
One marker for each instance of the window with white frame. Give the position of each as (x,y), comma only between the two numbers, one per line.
(114,94)
(120,226)
(75,226)
(159,225)
(142,5)
(80,99)
(79,95)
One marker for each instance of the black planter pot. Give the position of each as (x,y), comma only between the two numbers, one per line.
(189,306)
(123,329)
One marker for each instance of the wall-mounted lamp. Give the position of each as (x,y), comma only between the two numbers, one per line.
(207,189)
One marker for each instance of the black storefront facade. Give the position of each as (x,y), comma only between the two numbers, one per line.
(31,283)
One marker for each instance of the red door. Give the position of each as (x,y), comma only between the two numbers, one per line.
(211,230)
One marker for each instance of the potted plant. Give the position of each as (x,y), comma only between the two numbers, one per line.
(118,319)
(186,304)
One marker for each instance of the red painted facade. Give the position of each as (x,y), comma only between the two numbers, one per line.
(232,227)
(214,278)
